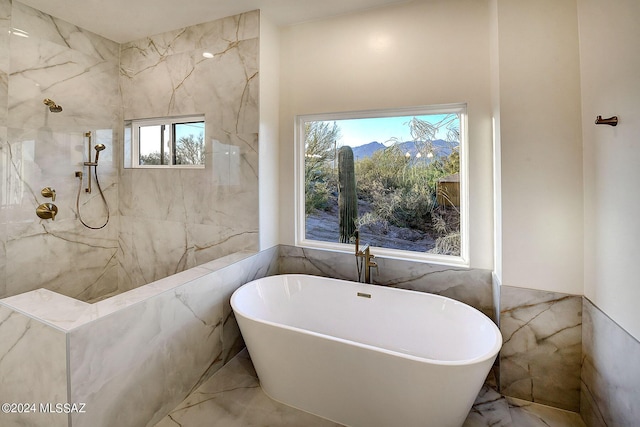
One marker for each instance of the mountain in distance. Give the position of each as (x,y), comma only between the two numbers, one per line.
(441,148)
(367,150)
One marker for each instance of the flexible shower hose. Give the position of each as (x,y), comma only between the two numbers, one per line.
(104,200)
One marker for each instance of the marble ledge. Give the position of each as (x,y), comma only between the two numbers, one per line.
(66,313)
(52,308)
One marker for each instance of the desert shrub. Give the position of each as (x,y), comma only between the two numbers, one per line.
(316,196)
(320,140)
(446,226)
(415,207)
(447,245)
(321,188)
(384,169)
(371,220)
(401,193)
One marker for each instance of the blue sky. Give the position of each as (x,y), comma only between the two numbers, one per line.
(150,135)
(355,132)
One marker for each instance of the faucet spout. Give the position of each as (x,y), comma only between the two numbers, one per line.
(364,260)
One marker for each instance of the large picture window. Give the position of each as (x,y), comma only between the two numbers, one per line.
(396,176)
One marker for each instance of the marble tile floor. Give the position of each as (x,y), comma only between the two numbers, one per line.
(233,398)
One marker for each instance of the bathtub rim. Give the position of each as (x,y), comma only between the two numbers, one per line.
(462,362)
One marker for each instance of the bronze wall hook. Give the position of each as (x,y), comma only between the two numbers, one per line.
(611,121)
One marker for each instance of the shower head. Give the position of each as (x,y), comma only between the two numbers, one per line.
(52,105)
(99,148)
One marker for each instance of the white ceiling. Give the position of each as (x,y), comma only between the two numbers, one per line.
(126,20)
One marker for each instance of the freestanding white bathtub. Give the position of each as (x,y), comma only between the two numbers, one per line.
(364,355)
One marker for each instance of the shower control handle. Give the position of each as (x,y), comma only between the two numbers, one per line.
(49,192)
(47,211)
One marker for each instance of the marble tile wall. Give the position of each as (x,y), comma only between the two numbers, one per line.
(471,286)
(541,351)
(134,372)
(44,57)
(33,369)
(162,221)
(5,25)
(175,219)
(131,358)
(610,382)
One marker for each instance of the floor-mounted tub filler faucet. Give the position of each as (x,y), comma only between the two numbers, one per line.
(364,260)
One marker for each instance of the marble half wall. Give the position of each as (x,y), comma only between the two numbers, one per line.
(145,369)
(130,358)
(610,388)
(33,370)
(541,352)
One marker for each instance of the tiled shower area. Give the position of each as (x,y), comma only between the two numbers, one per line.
(162,221)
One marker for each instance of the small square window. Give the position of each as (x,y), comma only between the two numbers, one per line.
(165,142)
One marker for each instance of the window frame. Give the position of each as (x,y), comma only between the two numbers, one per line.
(134,126)
(299,184)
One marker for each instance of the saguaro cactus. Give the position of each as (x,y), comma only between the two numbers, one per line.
(347,200)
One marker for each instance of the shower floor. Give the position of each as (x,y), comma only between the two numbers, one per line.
(232,397)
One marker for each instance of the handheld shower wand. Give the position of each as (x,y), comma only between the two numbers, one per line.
(90,164)
(98,148)
(94,163)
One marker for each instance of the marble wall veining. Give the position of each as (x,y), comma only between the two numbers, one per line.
(541,350)
(5,25)
(145,350)
(191,334)
(175,219)
(44,57)
(130,358)
(138,338)
(540,360)
(31,353)
(610,380)
(161,221)
(471,286)
(558,350)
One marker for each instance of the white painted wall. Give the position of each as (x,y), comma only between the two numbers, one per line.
(269,132)
(610,72)
(416,53)
(497,154)
(540,145)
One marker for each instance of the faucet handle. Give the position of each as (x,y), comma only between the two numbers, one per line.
(47,211)
(372,263)
(49,192)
